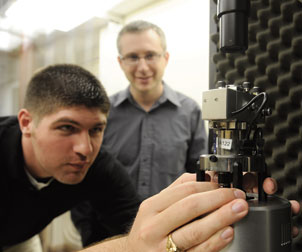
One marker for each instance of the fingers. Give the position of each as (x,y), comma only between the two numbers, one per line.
(295,206)
(249,182)
(153,206)
(270,186)
(186,177)
(193,206)
(212,176)
(216,242)
(177,192)
(295,231)
(210,231)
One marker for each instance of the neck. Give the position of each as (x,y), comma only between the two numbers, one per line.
(148,98)
(30,163)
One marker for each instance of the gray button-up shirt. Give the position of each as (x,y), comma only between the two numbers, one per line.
(157,146)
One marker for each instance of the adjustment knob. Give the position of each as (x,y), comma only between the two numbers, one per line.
(221,84)
(256,90)
(246,86)
(213,158)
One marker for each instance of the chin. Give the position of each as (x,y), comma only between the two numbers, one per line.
(144,89)
(71,179)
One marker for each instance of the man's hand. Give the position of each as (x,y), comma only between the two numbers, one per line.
(177,210)
(197,215)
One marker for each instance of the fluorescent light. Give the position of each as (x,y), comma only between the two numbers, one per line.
(8,41)
(29,16)
(47,15)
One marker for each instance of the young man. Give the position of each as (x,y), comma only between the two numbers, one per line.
(51,159)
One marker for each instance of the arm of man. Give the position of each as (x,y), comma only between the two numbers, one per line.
(176,211)
(116,244)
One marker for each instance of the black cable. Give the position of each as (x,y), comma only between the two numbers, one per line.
(249,103)
(257,113)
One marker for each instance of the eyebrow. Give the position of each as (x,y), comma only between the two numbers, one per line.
(137,54)
(68,120)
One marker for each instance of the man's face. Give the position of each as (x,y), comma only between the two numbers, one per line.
(145,76)
(66,143)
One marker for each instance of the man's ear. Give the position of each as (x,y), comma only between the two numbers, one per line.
(25,121)
(166,56)
(119,60)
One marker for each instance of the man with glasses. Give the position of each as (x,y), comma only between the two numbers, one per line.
(155,132)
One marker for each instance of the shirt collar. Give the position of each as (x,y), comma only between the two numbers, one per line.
(168,94)
(38,185)
(121,97)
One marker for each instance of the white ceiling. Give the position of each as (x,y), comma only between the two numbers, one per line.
(119,12)
(129,6)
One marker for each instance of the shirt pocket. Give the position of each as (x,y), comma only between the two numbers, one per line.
(170,158)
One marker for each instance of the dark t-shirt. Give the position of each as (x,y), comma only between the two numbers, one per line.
(25,211)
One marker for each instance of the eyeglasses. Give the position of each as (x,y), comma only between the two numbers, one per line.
(133,59)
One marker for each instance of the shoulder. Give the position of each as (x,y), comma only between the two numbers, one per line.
(107,172)
(180,99)
(115,96)
(186,101)
(105,166)
(7,121)
(118,98)
(104,159)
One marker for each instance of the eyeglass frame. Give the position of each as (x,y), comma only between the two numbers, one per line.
(133,56)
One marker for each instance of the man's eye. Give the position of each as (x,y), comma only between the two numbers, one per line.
(67,128)
(96,130)
(150,56)
(133,57)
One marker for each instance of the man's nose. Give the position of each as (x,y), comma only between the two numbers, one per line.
(83,144)
(142,63)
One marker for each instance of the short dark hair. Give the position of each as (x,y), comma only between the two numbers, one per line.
(141,26)
(64,85)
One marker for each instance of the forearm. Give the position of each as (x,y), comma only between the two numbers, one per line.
(114,244)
